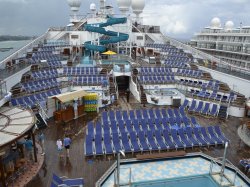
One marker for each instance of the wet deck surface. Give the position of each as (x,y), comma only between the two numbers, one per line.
(92,169)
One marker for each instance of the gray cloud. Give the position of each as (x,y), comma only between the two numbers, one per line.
(178,18)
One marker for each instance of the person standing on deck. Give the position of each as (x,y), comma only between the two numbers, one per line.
(29,147)
(59,147)
(128,94)
(67,143)
(75,105)
(41,139)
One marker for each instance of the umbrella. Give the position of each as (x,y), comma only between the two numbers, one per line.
(109,53)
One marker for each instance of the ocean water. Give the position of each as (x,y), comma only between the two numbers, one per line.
(15,44)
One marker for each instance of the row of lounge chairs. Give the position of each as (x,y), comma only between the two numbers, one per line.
(31,100)
(55,64)
(42,74)
(157,140)
(90,80)
(156,71)
(156,79)
(74,71)
(175,63)
(34,86)
(136,125)
(142,114)
(66,182)
(189,73)
(246,164)
(201,107)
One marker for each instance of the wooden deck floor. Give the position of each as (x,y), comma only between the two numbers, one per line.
(92,169)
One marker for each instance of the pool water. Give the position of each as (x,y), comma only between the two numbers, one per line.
(163,92)
(197,181)
(115,62)
(86,60)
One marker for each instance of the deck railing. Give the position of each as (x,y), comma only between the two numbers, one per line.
(23,50)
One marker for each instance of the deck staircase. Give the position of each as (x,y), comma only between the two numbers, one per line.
(207,76)
(41,122)
(194,67)
(104,71)
(224,87)
(223,112)
(112,87)
(240,100)
(143,96)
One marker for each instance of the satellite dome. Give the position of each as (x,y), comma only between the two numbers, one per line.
(124,5)
(92,7)
(229,25)
(74,5)
(215,23)
(138,6)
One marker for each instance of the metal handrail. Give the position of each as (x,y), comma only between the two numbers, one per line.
(23,49)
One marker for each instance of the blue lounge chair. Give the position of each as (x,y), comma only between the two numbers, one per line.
(132,115)
(176,139)
(125,115)
(220,134)
(89,151)
(205,109)
(160,140)
(136,125)
(151,113)
(169,141)
(164,113)
(193,106)
(116,142)
(207,136)
(184,139)
(99,150)
(185,104)
(108,144)
(170,113)
(126,143)
(138,115)
(143,141)
(199,108)
(199,137)
(193,139)
(214,110)
(129,126)
(134,141)
(152,142)
(145,114)
(194,122)
(66,181)
(214,136)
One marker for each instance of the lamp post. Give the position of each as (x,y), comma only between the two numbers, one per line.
(118,167)
(223,162)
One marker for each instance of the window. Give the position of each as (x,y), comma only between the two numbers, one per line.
(139,37)
(74,36)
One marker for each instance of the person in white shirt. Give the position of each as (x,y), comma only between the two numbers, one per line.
(59,147)
(75,105)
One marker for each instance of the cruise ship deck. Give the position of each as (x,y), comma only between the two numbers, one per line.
(91,169)
(116,86)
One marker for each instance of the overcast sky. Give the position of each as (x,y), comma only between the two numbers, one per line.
(177,18)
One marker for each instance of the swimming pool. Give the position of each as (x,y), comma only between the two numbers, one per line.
(163,92)
(197,181)
(189,171)
(119,62)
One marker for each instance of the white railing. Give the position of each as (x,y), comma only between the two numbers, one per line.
(202,54)
(23,50)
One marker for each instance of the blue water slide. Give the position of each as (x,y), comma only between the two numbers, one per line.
(112,37)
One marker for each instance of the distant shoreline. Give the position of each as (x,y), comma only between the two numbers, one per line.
(15,38)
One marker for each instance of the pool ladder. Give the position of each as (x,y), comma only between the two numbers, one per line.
(129,183)
(220,177)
